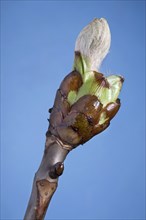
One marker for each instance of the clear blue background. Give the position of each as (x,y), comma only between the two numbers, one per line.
(105,178)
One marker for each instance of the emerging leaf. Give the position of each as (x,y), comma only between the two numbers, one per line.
(86,100)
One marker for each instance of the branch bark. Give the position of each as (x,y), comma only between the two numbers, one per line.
(85,103)
(46,179)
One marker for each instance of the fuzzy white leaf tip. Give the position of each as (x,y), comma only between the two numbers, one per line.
(93,43)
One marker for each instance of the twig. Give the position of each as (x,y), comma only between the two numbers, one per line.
(84,105)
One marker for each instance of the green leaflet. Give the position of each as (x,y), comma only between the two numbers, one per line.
(103,118)
(107,95)
(72,97)
(106,89)
(81,64)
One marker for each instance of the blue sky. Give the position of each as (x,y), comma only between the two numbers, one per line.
(105,178)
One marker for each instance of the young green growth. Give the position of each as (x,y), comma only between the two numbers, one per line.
(107,89)
(86,100)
